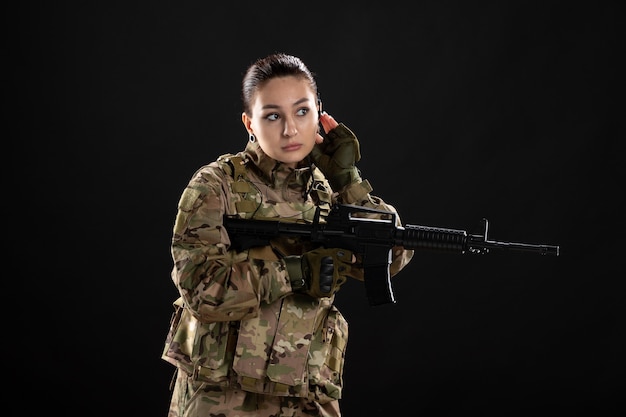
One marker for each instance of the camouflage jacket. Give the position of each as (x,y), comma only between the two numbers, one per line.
(238,323)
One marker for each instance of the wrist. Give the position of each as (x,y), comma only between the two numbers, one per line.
(345,178)
(294,271)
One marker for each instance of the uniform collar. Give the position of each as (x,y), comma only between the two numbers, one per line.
(269,168)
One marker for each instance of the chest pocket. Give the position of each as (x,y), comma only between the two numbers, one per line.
(250,202)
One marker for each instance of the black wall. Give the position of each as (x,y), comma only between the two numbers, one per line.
(507,110)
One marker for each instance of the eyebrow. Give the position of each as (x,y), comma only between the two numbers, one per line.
(274,106)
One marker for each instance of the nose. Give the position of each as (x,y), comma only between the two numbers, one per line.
(290,128)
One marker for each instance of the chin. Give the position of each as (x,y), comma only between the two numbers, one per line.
(292,157)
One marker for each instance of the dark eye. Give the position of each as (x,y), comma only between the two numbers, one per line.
(303,111)
(272,116)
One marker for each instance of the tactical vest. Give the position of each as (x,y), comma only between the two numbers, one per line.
(208,351)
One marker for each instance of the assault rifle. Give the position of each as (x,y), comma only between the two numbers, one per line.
(349,227)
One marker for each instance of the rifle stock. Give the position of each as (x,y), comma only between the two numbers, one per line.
(372,234)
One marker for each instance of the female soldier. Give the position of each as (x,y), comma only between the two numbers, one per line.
(255,331)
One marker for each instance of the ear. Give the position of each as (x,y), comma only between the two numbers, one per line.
(246,122)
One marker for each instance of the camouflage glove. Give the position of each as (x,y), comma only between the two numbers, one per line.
(336,157)
(319,272)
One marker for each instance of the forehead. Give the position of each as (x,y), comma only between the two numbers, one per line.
(283,91)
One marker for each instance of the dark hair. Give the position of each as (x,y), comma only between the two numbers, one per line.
(272,66)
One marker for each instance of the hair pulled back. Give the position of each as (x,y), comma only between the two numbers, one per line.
(272,66)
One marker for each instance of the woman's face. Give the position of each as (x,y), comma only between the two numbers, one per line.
(284,119)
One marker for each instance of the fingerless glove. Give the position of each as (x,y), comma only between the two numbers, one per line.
(320,272)
(337,156)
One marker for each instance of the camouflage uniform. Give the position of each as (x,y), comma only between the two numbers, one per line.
(243,342)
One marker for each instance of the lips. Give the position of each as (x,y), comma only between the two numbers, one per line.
(291,147)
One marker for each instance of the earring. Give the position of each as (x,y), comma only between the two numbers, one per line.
(251,138)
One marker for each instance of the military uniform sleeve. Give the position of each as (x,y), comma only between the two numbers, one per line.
(216,283)
(359,193)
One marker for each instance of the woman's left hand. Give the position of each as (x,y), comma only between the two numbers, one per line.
(328,122)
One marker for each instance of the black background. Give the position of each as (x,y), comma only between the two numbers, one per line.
(503,110)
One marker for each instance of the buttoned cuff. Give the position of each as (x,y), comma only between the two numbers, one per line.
(355,192)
